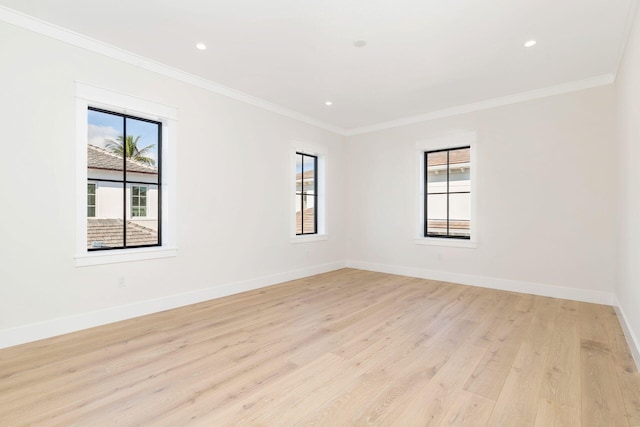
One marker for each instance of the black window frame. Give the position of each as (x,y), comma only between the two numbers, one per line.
(303,194)
(126,182)
(448,193)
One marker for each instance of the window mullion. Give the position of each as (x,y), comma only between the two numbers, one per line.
(159,185)
(124,182)
(315,194)
(448,194)
(302,196)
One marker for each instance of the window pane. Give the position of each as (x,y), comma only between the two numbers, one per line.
(91,211)
(142,226)
(298,214)
(459,214)
(142,150)
(107,230)
(437,214)
(104,146)
(309,174)
(141,232)
(437,172)
(459,156)
(308,222)
(298,172)
(91,200)
(459,170)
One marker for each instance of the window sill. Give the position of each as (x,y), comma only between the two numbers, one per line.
(456,243)
(124,255)
(309,238)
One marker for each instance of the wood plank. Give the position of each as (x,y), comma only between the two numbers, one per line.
(348,347)
(467,410)
(602,402)
(561,384)
(627,372)
(517,403)
(552,414)
(490,375)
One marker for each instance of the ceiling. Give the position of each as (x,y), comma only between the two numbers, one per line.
(421,56)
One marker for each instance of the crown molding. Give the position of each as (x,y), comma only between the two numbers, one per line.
(62,34)
(490,103)
(39,26)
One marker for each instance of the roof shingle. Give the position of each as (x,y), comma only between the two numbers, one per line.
(107,233)
(99,158)
(439,158)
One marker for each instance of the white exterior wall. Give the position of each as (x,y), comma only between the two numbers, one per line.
(109,203)
(109,196)
(226,150)
(459,204)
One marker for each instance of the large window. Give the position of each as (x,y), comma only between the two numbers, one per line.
(124,155)
(306,194)
(447,196)
(123,144)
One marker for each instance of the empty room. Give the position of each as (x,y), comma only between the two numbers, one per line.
(336,213)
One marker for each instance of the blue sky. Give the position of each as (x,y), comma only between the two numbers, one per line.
(105,127)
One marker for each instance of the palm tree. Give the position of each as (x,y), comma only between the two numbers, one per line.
(119,146)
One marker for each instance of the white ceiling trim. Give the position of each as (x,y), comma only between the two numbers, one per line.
(491,103)
(62,34)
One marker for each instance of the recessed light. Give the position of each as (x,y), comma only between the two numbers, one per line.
(530,43)
(201,46)
(328,103)
(360,43)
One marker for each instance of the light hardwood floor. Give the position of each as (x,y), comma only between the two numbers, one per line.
(344,348)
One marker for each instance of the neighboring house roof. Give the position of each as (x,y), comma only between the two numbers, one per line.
(307,175)
(107,233)
(455,157)
(99,158)
(453,224)
(309,222)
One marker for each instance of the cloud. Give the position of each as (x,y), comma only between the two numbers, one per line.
(101,135)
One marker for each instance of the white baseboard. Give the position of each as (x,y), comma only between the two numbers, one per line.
(63,325)
(575,294)
(632,338)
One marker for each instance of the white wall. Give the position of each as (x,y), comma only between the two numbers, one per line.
(546,191)
(548,181)
(628,91)
(234,167)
